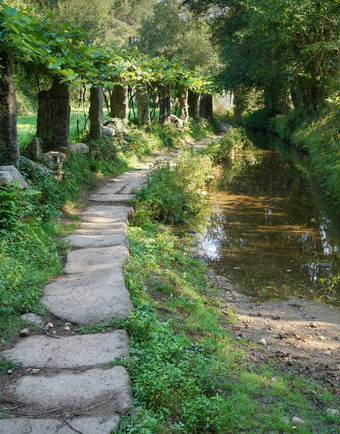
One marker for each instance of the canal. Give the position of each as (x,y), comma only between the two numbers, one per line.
(268,230)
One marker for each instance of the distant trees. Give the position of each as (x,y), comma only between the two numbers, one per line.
(288,49)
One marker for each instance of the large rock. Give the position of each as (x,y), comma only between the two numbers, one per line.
(34,150)
(173,119)
(34,166)
(72,352)
(110,130)
(11,175)
(55,159)
(75,391)
(79,148)
(88,298)
(85,425)
(86,260)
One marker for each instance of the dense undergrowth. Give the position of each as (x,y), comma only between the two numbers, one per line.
(30,220)
(188,374)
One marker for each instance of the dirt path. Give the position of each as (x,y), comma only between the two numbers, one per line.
(296,332)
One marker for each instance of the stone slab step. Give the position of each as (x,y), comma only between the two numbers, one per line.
(100,228)
(107,390)
(88,298)
(106,214)
(85,260)
(111,197)
(85,425)
(71,352)
(86,241)
(124,183)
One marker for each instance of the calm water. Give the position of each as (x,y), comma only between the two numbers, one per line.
(267,232)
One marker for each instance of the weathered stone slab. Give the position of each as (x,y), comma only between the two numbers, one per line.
(88,298)
(100,228)
(10,175)
(82,241)
(70,352)
(113,197)
(106,214)
(75,391)
(79,148)
(85,425)
(85,260)
(124,183)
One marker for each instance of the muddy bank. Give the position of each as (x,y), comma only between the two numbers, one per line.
(296,332)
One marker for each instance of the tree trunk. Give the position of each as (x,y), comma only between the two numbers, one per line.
(119,102)
(194,100)
(53,122)
(183,103)
(96,114)
(143,105)
(164,95)
(9,150)
(206,107)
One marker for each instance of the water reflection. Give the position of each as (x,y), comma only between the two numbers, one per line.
(265,232)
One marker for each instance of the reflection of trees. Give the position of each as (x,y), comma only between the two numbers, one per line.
(266,225)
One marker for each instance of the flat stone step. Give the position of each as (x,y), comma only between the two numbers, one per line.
(106,214)
(88,298)
(71,352)
(85,260)
(86,241)
(108,390)
(124,183)
(85,425)
(111,197)
(100,228)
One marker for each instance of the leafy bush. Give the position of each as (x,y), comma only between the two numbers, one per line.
(174,193)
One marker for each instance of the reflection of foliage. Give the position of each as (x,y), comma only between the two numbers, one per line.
(330,289)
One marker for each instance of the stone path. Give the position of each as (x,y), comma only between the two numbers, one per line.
(68,383)
(66,386)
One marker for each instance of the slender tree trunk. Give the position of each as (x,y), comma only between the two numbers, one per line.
(206,107)
(119,102)
(143,105)
(53,122)
(9,150)
(164,95)
(194,100)
(183,103)
(96,114)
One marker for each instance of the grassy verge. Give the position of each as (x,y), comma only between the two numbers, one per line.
(30,221)
(188,373)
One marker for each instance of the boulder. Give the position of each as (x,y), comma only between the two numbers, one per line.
(110,130)
(79,148)
(10,175)
(33,165)
(173,119)
(34,150)
(54,159)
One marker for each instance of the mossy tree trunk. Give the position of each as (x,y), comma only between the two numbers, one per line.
(143,104)
(183,103)
(96,114)
(164,95)
(194,100)
(119,102)
(9,150)
(53,121)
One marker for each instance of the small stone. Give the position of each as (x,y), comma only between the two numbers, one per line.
(49,326)
(262,341)
(274,379)
(67,324)
(24,333)
(33,319)
(67,328)
(332,411)
(35,371)
(326,352)
(298,421)
(9,371)
(313,325)
(322,338)
(285,420)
